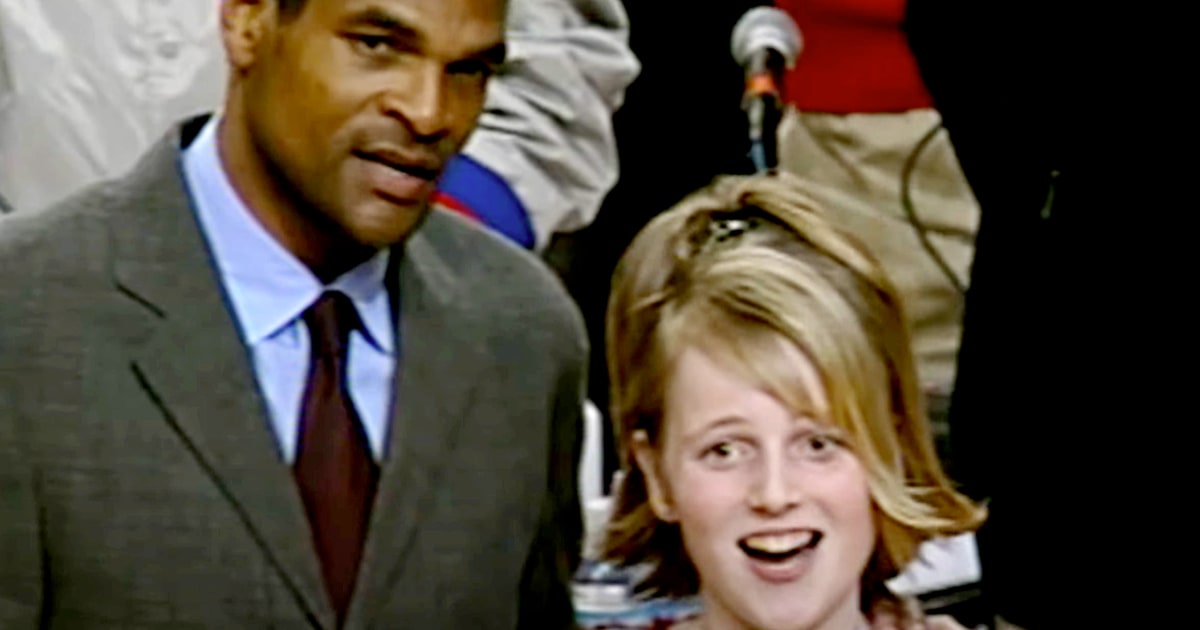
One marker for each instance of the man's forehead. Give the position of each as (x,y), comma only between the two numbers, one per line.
(444,28)
(430,14)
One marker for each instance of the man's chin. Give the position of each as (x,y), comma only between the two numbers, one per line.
(388,226)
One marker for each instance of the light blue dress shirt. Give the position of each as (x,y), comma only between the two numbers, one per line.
(269,290)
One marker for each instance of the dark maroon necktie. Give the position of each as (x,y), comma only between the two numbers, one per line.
(334,468)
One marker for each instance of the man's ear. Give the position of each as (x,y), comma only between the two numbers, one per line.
(245,24)
(657,488)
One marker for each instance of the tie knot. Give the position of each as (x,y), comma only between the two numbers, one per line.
(330,320)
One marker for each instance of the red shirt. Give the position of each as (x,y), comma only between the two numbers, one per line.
(855,58)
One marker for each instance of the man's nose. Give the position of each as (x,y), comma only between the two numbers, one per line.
(421,102)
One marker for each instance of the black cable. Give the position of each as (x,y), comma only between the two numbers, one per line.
(906,201)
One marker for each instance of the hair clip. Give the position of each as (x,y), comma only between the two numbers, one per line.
(720,230)
(721,227)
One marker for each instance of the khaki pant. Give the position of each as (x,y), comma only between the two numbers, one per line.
(855,164)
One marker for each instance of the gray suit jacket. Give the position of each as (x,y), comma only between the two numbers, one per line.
(141,487)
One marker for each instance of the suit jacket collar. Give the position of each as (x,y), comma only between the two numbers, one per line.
(444,355)
(196,367)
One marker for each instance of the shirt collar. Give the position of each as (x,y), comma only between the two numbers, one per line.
(268,286)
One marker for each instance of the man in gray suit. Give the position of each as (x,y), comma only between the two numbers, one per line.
(258,384)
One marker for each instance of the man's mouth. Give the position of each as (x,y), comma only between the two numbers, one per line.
(426,169)
(779,547)
(399,177)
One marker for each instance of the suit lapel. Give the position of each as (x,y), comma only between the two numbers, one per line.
(195,366)
(442,356)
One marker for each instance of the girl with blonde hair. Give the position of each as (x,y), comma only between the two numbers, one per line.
(778,460)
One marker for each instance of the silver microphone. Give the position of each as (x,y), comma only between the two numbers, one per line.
(765,43)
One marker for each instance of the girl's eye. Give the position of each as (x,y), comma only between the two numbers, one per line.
(725,453)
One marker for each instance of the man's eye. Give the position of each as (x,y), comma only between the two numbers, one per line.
(472,69)
(373,45)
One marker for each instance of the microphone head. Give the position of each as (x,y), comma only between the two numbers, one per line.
(766,28)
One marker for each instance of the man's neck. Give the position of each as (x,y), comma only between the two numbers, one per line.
(300,230)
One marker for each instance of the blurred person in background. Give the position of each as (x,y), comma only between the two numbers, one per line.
(861,127)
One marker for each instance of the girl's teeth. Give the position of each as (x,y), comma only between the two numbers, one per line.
(779,543)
